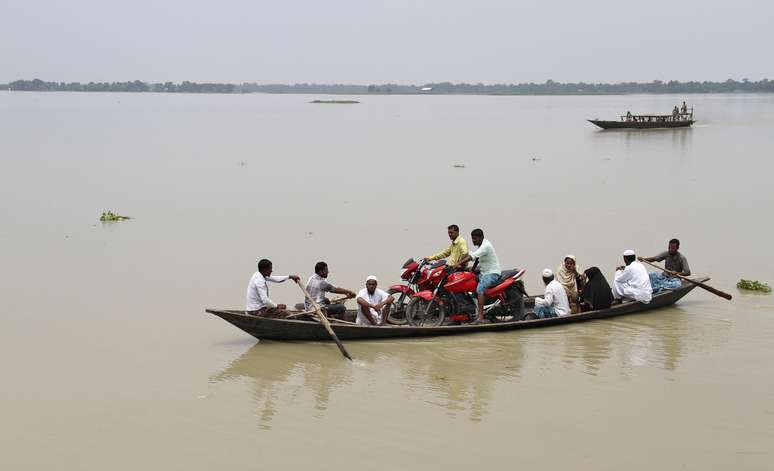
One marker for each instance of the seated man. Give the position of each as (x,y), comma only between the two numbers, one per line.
(555,302)
(489,266)
(675,263)
(258,302)
(317,286)
(456,250)
(373,304)
(631,281)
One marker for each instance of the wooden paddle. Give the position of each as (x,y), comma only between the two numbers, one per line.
(324,321)
(697,283)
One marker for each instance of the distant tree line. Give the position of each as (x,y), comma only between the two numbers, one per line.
(548,87)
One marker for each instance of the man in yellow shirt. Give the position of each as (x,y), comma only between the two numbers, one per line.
(457,249)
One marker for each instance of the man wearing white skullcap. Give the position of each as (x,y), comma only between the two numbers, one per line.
(373,304)
(631,281)
(555,302)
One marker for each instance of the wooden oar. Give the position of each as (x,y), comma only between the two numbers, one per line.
(324,321)
(340,300)
(299,314)
(697,283)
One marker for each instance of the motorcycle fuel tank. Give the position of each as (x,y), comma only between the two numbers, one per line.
(461,282)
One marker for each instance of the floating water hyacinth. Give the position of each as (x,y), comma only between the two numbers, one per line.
(111,216)
(753,285)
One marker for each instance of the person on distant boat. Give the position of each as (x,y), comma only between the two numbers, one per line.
(675,263)
(596,292)
(675,113)
(258,301)
(554,302)
(684,108)
(628,116)
(632,281)
(318,285)
(489,267)
(373,304)
(568,276)
(456,250)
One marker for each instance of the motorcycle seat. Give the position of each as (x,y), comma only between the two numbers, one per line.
(505,274)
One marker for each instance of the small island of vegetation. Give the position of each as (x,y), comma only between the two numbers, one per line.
(753,285)
(110,216)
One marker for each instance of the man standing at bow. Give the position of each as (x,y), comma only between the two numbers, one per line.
(258,302)
(632,281)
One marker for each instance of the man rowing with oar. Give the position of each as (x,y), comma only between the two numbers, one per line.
(258,302)
(318,285)
(675,264)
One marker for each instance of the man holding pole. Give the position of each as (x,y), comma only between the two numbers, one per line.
(675,264)
(258,301)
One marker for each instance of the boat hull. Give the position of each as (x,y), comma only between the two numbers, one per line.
(641,125)
(288,329)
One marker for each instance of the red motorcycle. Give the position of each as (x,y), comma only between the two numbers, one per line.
(454,297)
(419,276)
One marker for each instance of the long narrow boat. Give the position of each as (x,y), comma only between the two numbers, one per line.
(289,329)
(648,121)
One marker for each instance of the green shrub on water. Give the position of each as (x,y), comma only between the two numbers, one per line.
(111,216)
(753,285)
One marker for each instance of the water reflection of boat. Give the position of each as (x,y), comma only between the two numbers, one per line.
(465,377)
(289,329)
(458,377)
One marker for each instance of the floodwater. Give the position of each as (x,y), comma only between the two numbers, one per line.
(108,360)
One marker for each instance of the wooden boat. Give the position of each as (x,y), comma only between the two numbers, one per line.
(648,121)
(290,329)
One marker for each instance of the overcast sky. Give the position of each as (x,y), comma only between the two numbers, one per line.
(361,41)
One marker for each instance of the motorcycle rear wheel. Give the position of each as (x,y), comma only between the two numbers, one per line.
(418,314)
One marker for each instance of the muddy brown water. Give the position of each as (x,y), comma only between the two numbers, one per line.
(109,362)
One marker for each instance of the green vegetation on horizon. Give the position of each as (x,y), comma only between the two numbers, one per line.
(549,87)
(753,285)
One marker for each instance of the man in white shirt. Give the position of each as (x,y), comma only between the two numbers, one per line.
(632,281)
(373,304)
(489,267)
(258,301)
(555,302)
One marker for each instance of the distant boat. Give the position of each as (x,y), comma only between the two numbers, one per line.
(682,119)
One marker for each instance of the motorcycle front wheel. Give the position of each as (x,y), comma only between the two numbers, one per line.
(423,313)
(397,315)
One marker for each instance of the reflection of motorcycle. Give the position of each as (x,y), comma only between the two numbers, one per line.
(419,276)
(454,296)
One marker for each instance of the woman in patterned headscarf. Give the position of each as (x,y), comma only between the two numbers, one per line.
(570,277)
